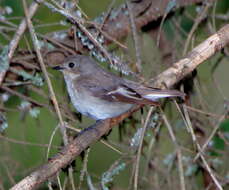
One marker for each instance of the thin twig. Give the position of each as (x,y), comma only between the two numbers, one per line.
(17,36)
(26,143)
(8,173)
(22,96)
(51,91)
(59,182)
(198,20)
(106,35)
(43,68)
(56,43)
(204,112)
(79,24)
(101,140)
(149,152)
(84,168)
(71,177)
(213,16)
(135,36)
(50,142)
(108,12)
(201,151)
(140,148)
(188,122)
(178,151)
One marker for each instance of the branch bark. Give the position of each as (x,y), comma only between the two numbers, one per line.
(168,78)
(197,56)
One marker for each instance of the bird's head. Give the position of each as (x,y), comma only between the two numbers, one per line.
(77,65)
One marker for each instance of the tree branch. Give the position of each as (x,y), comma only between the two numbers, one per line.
(90,135)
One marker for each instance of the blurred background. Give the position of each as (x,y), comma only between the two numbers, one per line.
(27,129)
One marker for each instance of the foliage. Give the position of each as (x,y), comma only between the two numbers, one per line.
(28,116)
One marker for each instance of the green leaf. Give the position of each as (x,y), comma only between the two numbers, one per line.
(218,143)
(224,126)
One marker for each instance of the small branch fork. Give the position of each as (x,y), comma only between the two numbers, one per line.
(90,135)
(19,33)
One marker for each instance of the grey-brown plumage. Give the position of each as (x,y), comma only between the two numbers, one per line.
(100,94)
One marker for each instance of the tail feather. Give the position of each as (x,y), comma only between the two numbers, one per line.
(155,95)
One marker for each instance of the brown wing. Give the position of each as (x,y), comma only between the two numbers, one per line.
(112,90)
(115,89)
(123,93)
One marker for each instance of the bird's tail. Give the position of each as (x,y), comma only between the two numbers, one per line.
(156,94)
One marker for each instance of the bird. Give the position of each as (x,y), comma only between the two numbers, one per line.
(100,94)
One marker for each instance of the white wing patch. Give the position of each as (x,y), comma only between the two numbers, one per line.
(155,96)
(125,92)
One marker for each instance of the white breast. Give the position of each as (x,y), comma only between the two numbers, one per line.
(93,107)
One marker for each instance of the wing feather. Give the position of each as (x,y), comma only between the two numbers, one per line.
(125,91)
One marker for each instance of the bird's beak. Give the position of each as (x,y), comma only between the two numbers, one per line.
(58,67)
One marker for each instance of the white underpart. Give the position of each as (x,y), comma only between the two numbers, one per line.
(92,106)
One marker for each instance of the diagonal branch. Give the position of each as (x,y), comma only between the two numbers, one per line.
(90,135)
(197,56)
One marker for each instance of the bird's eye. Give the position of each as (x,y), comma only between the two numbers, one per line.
(71,65)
